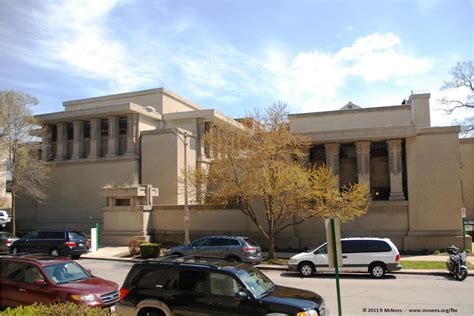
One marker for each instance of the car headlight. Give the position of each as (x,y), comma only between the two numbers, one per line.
(84,297)
(292,261)
(308,313)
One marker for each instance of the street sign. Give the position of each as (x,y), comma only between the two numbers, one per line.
(330,242)
(463,212)
(468,228)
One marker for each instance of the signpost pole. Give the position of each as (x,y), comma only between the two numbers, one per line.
(336,265)
(463,218)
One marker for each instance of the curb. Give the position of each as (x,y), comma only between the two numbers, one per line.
(283,268)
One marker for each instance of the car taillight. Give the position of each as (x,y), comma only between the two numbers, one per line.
(397,258)
(70,244)
(123,293)
(250,249)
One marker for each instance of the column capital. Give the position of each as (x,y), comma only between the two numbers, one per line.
(332,148)
(394,144)
(363,146)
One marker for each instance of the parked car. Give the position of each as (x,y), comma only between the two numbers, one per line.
(4,217)
(234,248)
(54,242)
(374,255)
(28,279)
(6,239)
(197,286)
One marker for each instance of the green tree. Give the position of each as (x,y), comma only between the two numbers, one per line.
(462,78)
(261,168)
(17,125)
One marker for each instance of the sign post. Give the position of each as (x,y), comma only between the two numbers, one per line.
(463,215)
(333,237)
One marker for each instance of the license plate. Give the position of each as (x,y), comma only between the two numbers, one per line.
(81,245)
(112,308)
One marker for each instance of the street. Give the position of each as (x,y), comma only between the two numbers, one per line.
(396,294)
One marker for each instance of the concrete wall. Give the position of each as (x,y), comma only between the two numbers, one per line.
(73,195)
(466,148)
(351,119)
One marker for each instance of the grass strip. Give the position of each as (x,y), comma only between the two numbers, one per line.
(428,265)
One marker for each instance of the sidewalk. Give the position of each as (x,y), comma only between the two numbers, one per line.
(120,253)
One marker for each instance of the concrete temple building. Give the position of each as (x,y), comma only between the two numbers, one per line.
(117,162)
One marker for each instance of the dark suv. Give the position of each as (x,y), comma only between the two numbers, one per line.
(208,286)
(33,278)
(233,248)
(54,242)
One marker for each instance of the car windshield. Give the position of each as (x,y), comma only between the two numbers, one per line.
(256,281)
(66,272)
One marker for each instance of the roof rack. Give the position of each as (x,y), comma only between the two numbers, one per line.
(188,260)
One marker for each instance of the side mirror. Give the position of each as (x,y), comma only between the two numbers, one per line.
(241,296)
(40,283)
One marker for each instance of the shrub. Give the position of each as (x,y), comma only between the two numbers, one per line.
(149,250)
(134,247)
(57,310)
(437,252)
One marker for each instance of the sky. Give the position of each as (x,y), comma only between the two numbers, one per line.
(237,55)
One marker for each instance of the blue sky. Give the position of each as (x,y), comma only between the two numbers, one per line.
(235,56)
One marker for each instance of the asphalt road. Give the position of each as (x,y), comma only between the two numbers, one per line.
(399,294)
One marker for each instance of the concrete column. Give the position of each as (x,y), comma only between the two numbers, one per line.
(113,139)
(132,134)
(78,140)
(61,141)
(200,141)
(95,138)
(363,162)
(394,147)
(332,156)
(46,146)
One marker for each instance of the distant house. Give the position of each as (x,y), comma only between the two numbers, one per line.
(419,176)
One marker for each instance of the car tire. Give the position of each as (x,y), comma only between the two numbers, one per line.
(75,257)
(377,270)
(306,269)
(54,252)
(233,259)
(151,312)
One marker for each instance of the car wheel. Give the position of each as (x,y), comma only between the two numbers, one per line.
(54,252)
(377,270)
(75,257)
(151,312)
(306,269)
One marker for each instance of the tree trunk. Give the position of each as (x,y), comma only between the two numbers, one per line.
(13,215)
(271,247)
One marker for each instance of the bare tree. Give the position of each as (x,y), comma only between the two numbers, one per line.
(462,77)
(260,168)
(17,125)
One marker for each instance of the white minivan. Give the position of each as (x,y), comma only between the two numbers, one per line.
(361,254)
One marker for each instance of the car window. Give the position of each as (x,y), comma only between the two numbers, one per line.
(377,246)
(322,250)
(352,246)
(234,242)
(6,235)
(189,280)
(13,271)
(32,273)
(255,280)
(77,236)
(65,272)
(51,235)
(32,235)
(156,278)
(216,242)
(223,284)
(251,242)
(201,242)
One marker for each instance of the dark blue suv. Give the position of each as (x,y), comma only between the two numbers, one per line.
(54,242)
(208,286)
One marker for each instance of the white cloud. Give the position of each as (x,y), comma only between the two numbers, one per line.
(313,80)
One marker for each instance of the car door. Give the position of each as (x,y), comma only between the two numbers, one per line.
(223,288)
(320,258)
(353,255)
(29,243)
(12,275)
(218,247)
(32,293)
(201,247)
(187,294)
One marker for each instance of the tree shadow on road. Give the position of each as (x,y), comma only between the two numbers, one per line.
(356,276)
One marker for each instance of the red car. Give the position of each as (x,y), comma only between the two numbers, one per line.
(28,279)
